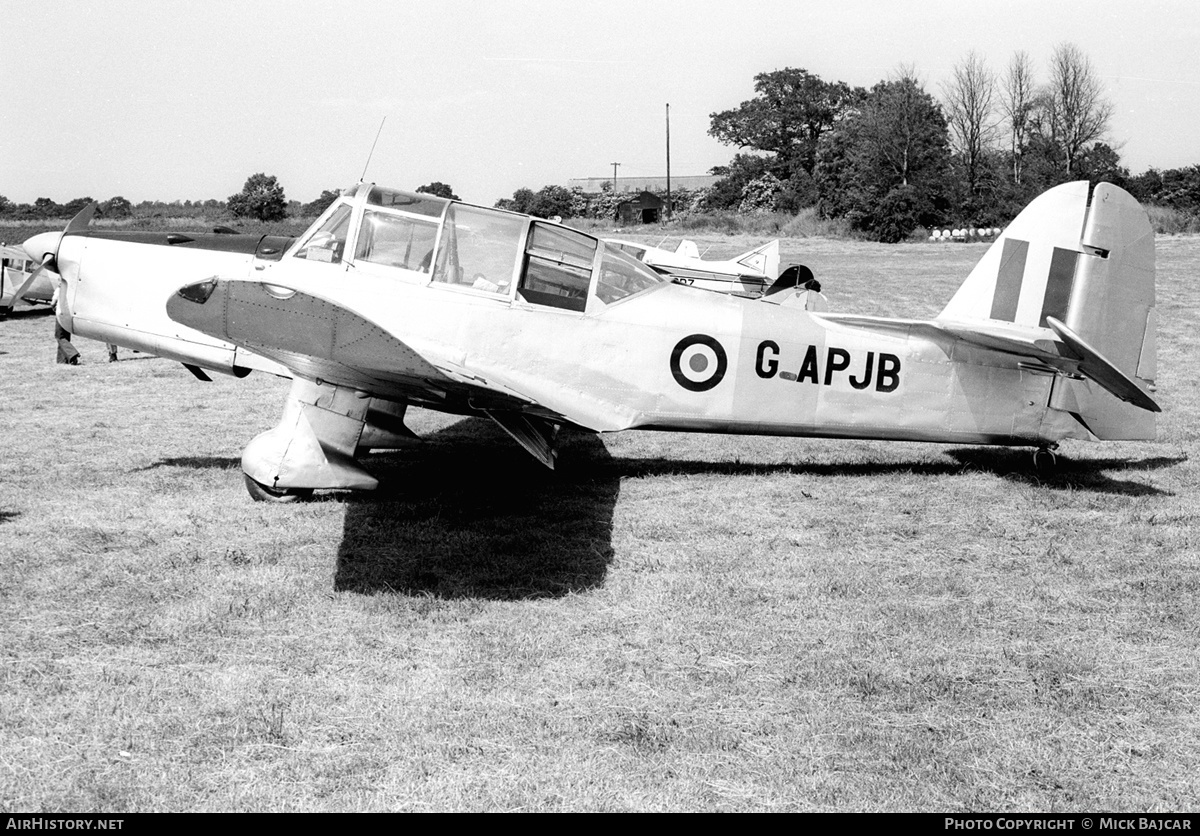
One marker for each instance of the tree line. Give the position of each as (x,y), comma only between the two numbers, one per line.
(262,198)
(895,158)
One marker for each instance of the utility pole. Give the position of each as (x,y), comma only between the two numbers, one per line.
(668,161)
(614,165)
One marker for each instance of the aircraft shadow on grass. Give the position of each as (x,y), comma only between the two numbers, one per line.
(28,313)
(1092,475)
(195,463)
(466,514)
(1015,464)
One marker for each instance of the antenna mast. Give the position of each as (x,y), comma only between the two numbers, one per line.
(363,179)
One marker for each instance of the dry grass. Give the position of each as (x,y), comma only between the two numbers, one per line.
(671,622)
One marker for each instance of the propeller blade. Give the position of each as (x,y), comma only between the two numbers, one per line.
(83,219)
(20,293)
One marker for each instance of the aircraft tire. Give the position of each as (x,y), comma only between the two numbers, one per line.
(1045,462)
(261,493)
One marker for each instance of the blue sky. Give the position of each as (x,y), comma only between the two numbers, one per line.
(183,100)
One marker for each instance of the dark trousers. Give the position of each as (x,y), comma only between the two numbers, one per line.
(67,353)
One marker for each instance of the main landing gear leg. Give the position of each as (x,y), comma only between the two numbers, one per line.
(312,447)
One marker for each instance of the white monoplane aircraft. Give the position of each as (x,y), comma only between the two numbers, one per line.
(24,283)
(749,274)
(394,298)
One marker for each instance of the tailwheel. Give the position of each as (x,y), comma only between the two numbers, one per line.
(1045,461)
(261,493)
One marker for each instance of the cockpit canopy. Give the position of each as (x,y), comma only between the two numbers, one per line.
(491,252)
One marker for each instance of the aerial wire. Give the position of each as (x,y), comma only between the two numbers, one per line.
(363,179)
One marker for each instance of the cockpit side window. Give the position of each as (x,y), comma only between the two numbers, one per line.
(479,248)
(558,267)
(328,243)
(396,241)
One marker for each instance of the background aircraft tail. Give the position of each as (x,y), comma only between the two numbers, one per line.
(1079,276)
(763,260)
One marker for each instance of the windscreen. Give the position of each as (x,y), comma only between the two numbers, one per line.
(328,243)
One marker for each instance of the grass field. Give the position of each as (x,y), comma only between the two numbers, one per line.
(669,622)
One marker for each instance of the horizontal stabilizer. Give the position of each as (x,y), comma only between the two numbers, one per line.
(1094,365)
(1057,347)
(1036,344)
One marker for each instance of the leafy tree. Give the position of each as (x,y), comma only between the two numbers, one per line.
(44,207)
(797,192)
(551,201)
(116,207)
(1041,163)
(786,120)
(316,207)
(262,198)
(547,202)
(904,130)
(6,205)
(1145,186)
(74,207)
(727,192)
(1181,189)
(790,112)
(521,201)
(761,194)
(438,189)
(884,168)
(1102,164)
(995,199)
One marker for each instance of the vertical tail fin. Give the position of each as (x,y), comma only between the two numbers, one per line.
(1090,267)
(1082,276)
(763,260)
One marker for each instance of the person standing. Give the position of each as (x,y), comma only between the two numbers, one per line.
(67,353)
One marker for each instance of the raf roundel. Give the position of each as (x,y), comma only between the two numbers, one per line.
(698,363)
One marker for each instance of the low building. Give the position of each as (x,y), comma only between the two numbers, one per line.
(643,208)
(642,184)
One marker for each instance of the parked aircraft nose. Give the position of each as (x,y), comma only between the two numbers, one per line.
(39,246)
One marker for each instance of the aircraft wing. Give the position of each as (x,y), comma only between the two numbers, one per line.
(1057,347)
(319,339)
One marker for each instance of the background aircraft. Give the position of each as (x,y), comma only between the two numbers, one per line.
(23,281)
(393,298)
(750,273)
